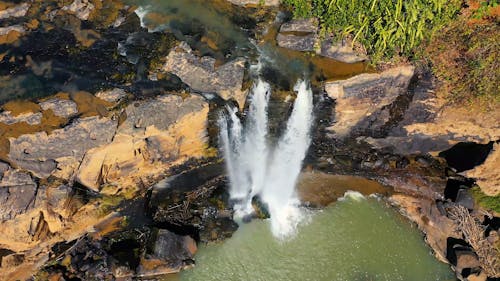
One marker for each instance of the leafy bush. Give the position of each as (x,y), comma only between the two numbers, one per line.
(385,27)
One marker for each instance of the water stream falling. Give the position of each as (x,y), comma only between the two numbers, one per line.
(257,168)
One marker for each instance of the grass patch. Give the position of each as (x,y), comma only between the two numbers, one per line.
(485,201)
(386,28)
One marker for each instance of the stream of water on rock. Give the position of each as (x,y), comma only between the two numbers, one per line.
(256,168)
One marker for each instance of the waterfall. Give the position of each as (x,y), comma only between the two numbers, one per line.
(255,168)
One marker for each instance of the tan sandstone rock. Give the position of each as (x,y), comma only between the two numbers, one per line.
(359,99)
(487,174)
(156,135)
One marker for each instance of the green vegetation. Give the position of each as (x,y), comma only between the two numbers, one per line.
(485,201)
(385,27)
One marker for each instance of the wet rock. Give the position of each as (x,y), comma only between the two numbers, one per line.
(60,107)
(113,95)
(216,230)
(148,143)
(171,253)
(196,202)
(15,12)
(429,220)
(30,118)
(72,141)
(486,174)
(202,75)
(360,99)
(431,125)
(17,194)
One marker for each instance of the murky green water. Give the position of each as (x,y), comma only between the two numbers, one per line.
(354,240)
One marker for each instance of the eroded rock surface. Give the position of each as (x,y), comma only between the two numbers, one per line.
(157,134)
(361,101)
(70,142)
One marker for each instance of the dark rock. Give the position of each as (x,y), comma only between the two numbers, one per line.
(194,203)
(170,254)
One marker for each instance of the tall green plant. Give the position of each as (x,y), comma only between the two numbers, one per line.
(384,27)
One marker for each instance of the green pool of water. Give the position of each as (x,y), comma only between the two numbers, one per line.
(354,239)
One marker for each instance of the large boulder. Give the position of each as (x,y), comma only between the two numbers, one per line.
(361,101)
(201,74)
(147,143)
(170,253)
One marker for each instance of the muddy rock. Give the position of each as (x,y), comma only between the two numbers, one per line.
(297,43)
(361,100)
(65,145)
(202,75)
